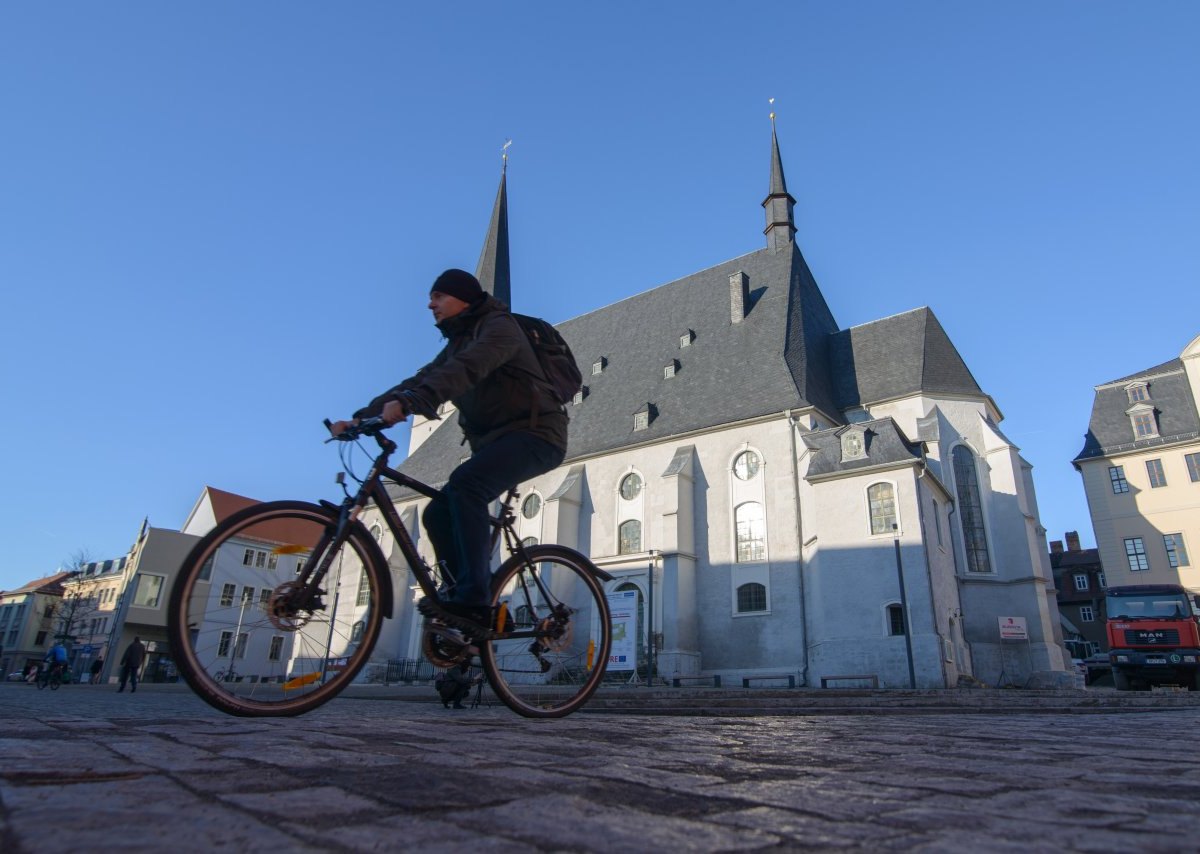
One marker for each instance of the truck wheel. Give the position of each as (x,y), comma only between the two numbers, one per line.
(1121,681)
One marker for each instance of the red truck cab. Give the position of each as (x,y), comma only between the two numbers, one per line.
(1153,636)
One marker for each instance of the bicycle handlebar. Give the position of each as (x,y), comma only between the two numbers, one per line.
(366,427)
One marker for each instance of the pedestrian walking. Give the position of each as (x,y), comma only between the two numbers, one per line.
(131,664)
(95,669)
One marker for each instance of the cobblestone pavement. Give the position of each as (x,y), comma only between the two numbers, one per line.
(86,767)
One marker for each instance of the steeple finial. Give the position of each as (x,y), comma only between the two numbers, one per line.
(781,226)
(492,270)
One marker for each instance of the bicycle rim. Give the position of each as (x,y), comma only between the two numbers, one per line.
(229,615)
(557,633)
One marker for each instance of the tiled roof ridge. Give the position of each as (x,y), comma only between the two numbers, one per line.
(1166,369)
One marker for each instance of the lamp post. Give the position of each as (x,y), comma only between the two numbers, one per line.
(912,674)
(650,618)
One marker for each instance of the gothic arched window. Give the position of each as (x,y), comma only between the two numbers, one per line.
(970,510)
(630,537)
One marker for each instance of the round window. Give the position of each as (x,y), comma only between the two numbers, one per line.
(746,465)
(531,506)
(631,486)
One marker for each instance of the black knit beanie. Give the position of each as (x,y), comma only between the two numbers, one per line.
(458,283)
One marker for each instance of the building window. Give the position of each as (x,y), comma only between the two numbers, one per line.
(377,533)
(248,558)
(1144,426)
(1177,555)
(532,505)
(356,632)
(1154,471)
(272,560)
(1116,474)
(247,595)
(1086,614)
(1138,393)
(631,486)
(264,598)
(598,367)
(300,565)
(751,526)
(276,650)
(148,590)
(970,510)
(578,398)
(669,370)
(1081,581)
(641,420)
(364,590)
(685,340)
(630,536)
(205,572)
(529,541)
(881,498)
(751,597)
(240,649)
(40,640)
(227,591)
(1193,467)
(1100,580)
(746,466)
(895,615)
(260,559)
(1135,553)
(223,646)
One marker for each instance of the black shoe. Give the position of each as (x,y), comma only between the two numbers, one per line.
(445,705)
(473,620)
(459,706)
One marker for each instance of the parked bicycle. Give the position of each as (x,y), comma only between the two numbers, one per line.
(324,587)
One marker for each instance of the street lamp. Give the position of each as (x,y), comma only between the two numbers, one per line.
(912,675)
(650,663)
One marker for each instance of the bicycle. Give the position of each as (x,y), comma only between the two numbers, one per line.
(51,676)
(325,588)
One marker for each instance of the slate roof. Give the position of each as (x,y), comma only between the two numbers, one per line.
(898,355)
(885,443)
(787,353)
(1109,430)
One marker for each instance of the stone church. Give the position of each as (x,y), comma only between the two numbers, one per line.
(785,497)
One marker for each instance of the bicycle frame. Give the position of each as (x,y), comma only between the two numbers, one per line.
(372,489)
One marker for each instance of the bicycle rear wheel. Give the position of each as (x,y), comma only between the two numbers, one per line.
(556,633)
(234,610)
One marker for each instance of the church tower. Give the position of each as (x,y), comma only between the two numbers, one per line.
(492,270)
(781,225)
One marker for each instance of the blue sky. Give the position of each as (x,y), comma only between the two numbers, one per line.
(220,220)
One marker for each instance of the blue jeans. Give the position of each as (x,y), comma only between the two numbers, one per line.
(459,523)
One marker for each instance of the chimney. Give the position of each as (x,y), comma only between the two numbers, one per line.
(1056,547)
(739,296)
(1072,541)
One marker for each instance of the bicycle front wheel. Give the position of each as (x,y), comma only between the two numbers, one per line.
(242,632)
(555,633)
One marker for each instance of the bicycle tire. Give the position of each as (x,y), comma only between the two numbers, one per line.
(561,678)
(284,665)
(55,682)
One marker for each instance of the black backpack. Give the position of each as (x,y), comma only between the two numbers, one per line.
(558,364)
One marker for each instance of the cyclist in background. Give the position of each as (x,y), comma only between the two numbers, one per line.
(56,658)
(515,430)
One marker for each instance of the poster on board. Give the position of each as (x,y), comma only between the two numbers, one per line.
(623,607)
(1013,628)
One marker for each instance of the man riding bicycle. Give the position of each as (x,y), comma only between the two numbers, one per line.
(515,428)
(56,659)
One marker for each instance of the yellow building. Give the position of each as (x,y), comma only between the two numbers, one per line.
(1141,472)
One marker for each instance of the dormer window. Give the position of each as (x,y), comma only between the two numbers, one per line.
(579,396)
(1138,392)
(599,365)
(641,420)
(1144,426)
(854,445)
(686,339)
(670,369)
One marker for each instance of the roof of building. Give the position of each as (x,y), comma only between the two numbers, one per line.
(1075,559)
(782,351)
(884,443)
(51,584)
(225,504)
(1169,392)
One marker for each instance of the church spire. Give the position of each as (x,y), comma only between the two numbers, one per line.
(492,270)
(781,224)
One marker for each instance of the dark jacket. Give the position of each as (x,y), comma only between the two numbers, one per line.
(134,653)
(489,372)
